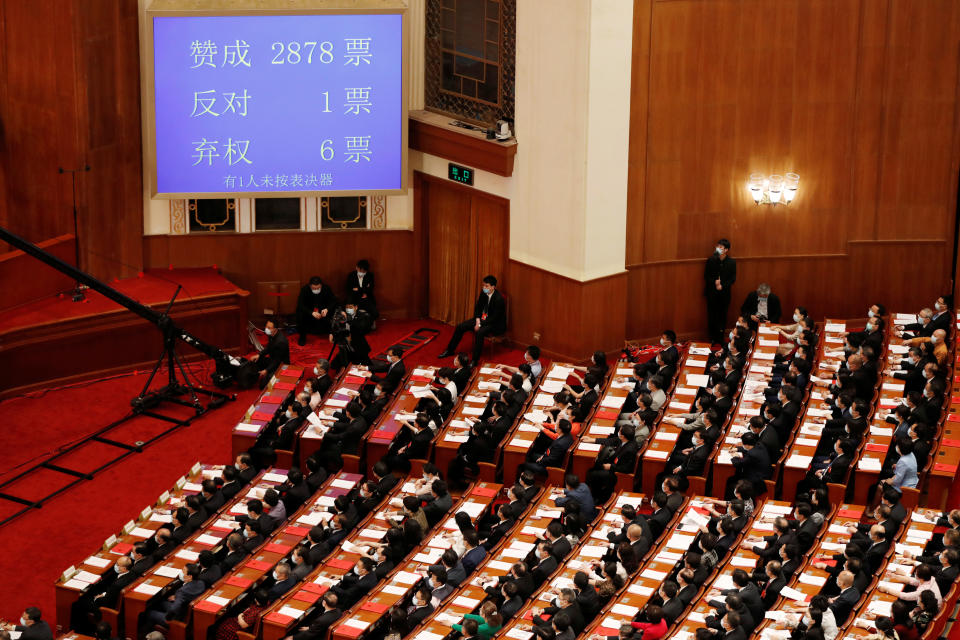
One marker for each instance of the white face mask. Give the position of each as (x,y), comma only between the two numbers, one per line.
(23,621)
(719,251)
(934,339)
(730,335)
(376,392)
(487,290)
(351,311)
(268,331)
(289,415)
(316,290)
(869,313)
(275,576)
(927,393)
(361,273)
(663,342)
(796,317)
(925,373)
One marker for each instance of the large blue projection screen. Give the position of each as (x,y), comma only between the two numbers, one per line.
(278,104)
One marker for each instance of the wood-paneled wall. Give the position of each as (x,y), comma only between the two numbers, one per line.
(248,258)
(69,97)
(860,97)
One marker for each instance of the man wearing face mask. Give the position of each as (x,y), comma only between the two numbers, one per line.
(360,288)
(275,353)
(105,593)
(348,332)
(761,306)
(936,344)
(719,274)
(314,304)
(389,375)
(31,627)
(323,381)
(489,319)
(284,581)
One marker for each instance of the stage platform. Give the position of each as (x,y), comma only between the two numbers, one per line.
(55,341)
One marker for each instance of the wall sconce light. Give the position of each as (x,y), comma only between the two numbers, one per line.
(774,189)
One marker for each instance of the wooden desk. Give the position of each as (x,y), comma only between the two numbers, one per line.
(602,423)
(283,386)
(214,604)
(402,581)
(664,434)
(148,521)
(518,441)
(155,582)
(378,441)
(340,395)
(486,378)
(802,447)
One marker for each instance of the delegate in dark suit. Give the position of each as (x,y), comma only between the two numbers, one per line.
(315,297)
(489,319)
(718,267)
(275,353)
(750,307)
(360,290)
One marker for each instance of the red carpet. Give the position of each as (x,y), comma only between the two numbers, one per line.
(39,545)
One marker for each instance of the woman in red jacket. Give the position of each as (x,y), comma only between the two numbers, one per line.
(656,628)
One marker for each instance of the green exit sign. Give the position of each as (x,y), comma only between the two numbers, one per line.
(460,174)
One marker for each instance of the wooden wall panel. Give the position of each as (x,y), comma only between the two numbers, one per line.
(859,97)
(246,259)
(69,96)
(25,280)
(567,318)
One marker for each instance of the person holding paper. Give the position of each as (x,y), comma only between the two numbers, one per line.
(761,306)
(719,274)
(531,357)
(489,319)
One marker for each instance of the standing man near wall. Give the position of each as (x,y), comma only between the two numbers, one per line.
(719,274)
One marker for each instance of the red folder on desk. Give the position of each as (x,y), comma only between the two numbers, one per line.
(945,467)
(950,443)
(340,564)
(237,581)
(306,596)
(376,607)
(350,632)
(875,447)
(262,415)
(315,588)
(296,531)
(607,414)
(206,605)
(421,379)
(271,400)
(849,513)
(258,565)
(354,380)
(284,386)
(953,417)
(122,548)
(486,492)
(276,547)
(279,618)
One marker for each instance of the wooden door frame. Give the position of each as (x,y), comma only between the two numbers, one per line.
(421,235)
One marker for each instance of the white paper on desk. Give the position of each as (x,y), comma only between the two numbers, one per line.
(611,622)
(591,551)
(811,430)
(793,594)
(488,385)
(73,584)
(835,327)
(799,461)
(777,616)
(464,601)
(602,431)
(898,348)
(96,561)
(806,442)
(656,454)
(373,534)
(697,380)
(448,619)
(314,518)
(393,589)
(342,484)
(723,582)
(685,391)
(725,457)
(764,355)
(695,363)
(589,446)
(520,442)
(881,431)
(473,509)
(427,635)
(740,561)
(499,565)
(612,402)
(209,540)
(472,399)
(556,371)
(186,554)
(892,385)
(220,601)
(695,518)
(168,572)
(161,517)
(919,534)
(513,553)
(428,557)
(832,546)
(837,528)
(532,531)
(450,437)
(640,590)
(521,546)
(869,464)
(292,612)
(696,616)
(881,607)
(528,428)
(669,436)
(779,509)
(668,557)
(817,581)
(314,419)
(248,428)
(624,371)
(405,577)
(679,405)
(624,610)
(916,516)
(551,386)
(747,410)
(472,411)
(519,634)
(148,589)
(680,541)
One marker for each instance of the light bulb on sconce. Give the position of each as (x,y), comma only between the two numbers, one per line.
(774,189)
